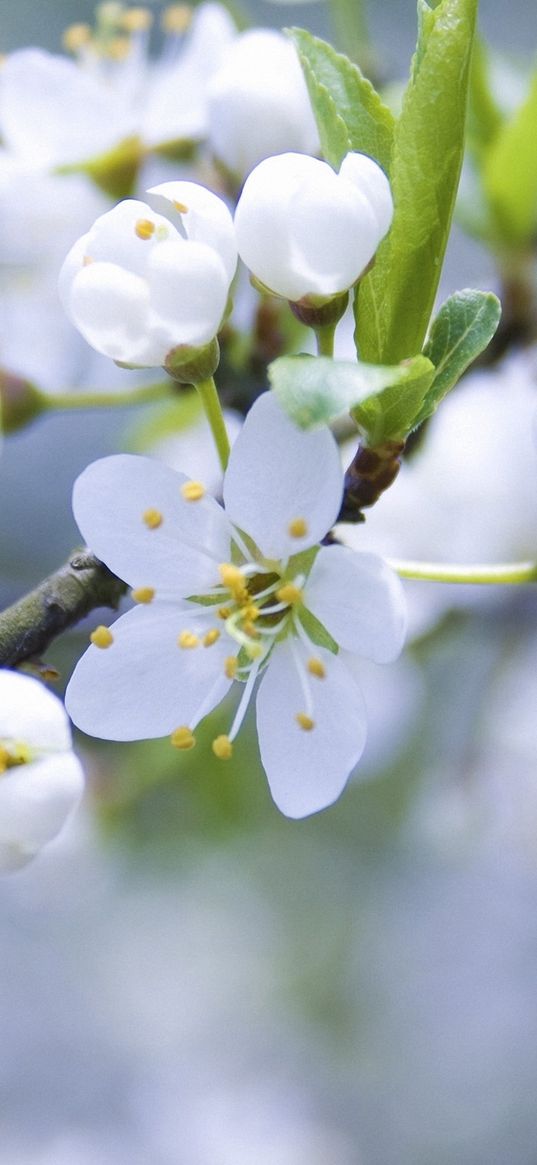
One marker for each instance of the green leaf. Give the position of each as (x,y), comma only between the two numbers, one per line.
(462,329)
(350,114)
(395,300)
(484,115)
(314,390)
(510,173)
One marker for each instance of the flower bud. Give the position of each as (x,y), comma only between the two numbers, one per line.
(140,283)
(189,365)
(258,103)
(305,231)
(41,780)
(20,401)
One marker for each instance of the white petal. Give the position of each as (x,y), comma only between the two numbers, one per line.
(180,556)
(113,238)
(277,473)
(188,288)
(72,264)
(205,219)
(307,770)
(334,233)
(110,307)
(145,685)
(36,799)
(53,111)
(359,600)
(370,179)
(32,714)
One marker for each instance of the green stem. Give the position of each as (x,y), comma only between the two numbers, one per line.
(66,401)
(325,339)
(481,574)
(213,411)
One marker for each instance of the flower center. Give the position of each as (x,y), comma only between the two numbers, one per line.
(13,753)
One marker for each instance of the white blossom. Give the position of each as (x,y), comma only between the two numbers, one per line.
(55,111)
(237,594)
(259,103)
(139,284)
(41,779)
(304,230)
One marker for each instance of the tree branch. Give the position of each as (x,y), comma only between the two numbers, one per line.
(28,627)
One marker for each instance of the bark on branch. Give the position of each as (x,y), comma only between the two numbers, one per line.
(28,627)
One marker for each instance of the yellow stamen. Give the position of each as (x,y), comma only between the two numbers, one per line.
(249,629)
(87,260)
(250,611)
(192,491)
(230,666)
(316,667)
(4,757)
(222,747)
(136,20)
(305,721)
(290,594)
(102,637)
(183,738)
(75,37)
(223,612)
(297,528)
(180,206)
(176,18)
(187,639)
(144,228)
(211,637)
(20,754)
(152,518)
(143,594)
(119,48)
(233,579)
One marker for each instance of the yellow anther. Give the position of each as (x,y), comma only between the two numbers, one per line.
(222,747)
(298,528)
(233,579)
(230,666)
(250,629)
(19,755)
(211,637)
(250,611)
(152,518)
(87,260)
(76,37)
(144,228)
(289,594)
(316,667)
(136,20)
(119,48)
(143,594)
(102,637)
(187,639)
(223,612)
(176,18)
(4,758)
(183,738)
(180,206)
(192,491)
(305,721)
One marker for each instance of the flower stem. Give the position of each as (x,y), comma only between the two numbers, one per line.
(325,339)
(66,401)
(213,411)
(480,574)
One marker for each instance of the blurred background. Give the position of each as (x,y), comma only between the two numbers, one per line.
(187,978)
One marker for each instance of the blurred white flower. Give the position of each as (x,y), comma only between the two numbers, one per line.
(41,779)
(259,103)
(468,494)
(139,284)
(303,230)
(55,111)
(215,606)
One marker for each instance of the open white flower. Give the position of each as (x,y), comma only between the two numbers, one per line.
(139,284)
(233,595)
(303,230)
(41,779)
(258,103)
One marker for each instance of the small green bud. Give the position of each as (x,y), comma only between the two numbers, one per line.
(20,401)
(188,365)
(320,312)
